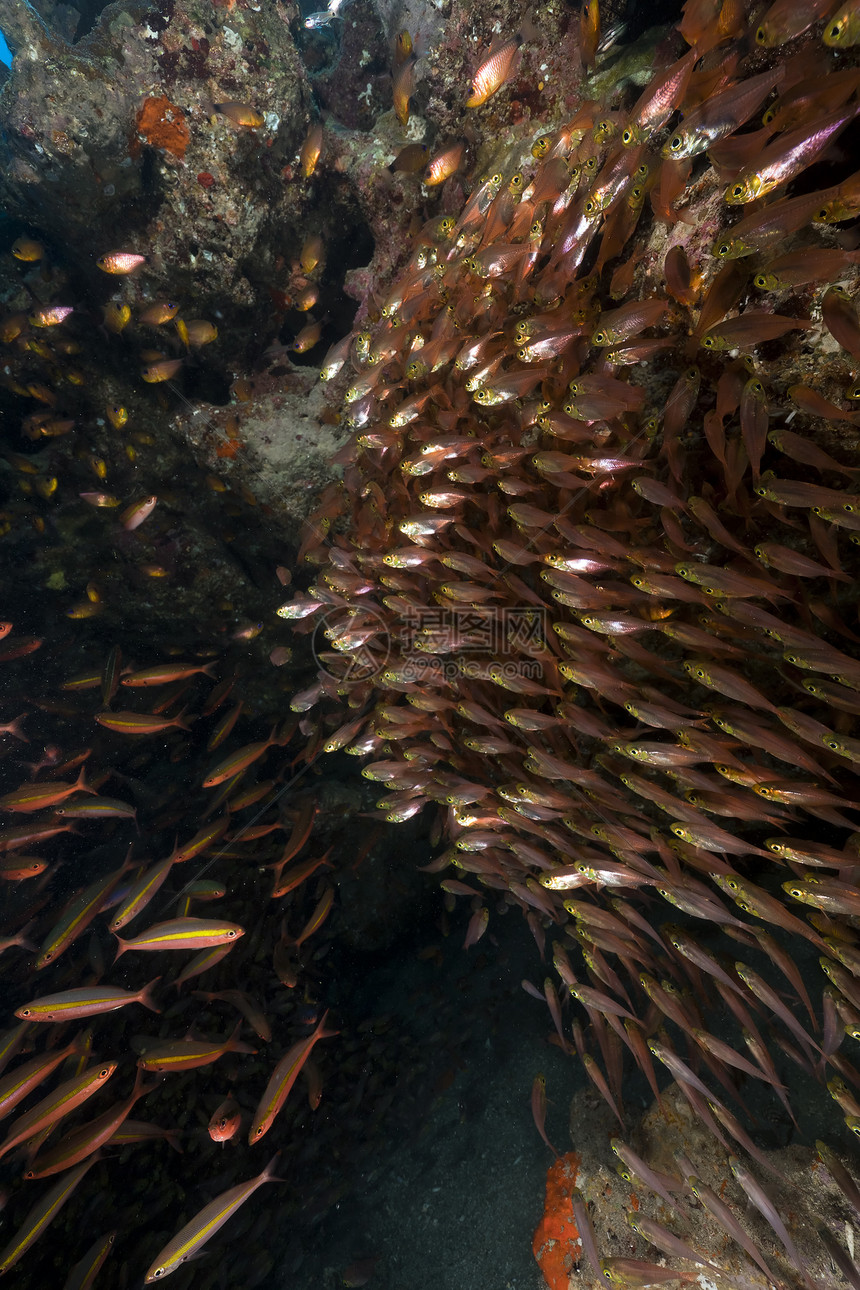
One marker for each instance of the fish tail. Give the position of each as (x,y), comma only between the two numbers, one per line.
(146,995)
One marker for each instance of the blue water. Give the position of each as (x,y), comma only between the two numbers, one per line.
(5,51)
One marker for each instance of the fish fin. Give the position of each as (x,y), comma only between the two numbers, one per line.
(146,995)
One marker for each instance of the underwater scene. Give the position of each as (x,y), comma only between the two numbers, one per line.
(429,644)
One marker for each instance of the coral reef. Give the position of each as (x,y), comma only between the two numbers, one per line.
(622,1212)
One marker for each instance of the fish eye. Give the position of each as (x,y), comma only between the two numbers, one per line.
(760,36)
(104,1072)
(25,1012)
(515,182)
(760,281)
(848,508)
(733,884)
(230,934)
(590,206)
(627,136)
(599,337)
(642,171)
(723,249)
(832,744)
(677,143)
(737,190)
(708,342)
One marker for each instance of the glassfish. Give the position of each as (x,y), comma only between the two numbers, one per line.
(842,29)
(720,115)
(787,156)
(786,20)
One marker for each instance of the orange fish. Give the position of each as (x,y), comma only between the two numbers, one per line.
(241,114)
(210,1220)
(164,673)
(138,723)
(226,1121)
(58,1103)
(589,32)
(182,934)
(155,315)
(311,149)
(163,369)
(86,1139)
(404,81)
(282,1080)
(188,1054)
(34,797)
(27,250)
(493,71)
(238,760)
(444,164)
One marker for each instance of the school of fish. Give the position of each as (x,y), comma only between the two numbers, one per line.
(586,585)
(583,595)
